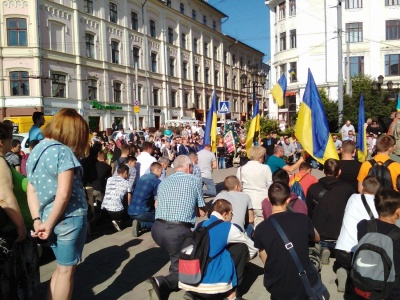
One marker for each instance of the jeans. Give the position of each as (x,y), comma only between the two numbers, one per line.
(249,229)
(221,163)
(210,187)
(145,219)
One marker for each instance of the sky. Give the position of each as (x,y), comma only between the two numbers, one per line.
(248,22)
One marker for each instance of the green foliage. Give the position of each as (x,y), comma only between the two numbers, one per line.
(266,125)
(331,110)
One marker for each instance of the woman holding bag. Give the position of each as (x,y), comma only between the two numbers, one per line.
(56,197)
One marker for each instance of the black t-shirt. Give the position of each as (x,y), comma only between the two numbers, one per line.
(281,276)
(349,172)
(269,145)
(103,171)
(385,228)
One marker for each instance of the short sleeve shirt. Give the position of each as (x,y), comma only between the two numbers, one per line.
(205,163)
(51,159)
(144,194)
(13,159)
(116,188)
(35,134)
(275,163)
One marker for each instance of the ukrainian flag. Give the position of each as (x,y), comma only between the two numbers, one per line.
(210,133)
(254,129)
(312,129)
(279,90)
(398,102)
(361,137)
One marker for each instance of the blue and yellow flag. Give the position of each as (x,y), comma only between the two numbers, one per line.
(398,102)
(361,137)
(210,133)
(312,129)
(279,90)
(254,128)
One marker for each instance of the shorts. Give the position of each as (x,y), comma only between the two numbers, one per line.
(67,240)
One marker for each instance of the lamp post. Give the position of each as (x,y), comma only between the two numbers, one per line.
(256,79)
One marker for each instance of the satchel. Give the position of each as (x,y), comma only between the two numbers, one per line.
(319,290)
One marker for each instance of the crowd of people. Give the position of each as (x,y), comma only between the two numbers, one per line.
(273,204)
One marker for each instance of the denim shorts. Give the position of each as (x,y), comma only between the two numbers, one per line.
(67,240)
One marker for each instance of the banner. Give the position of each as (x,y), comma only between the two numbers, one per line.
(229,141)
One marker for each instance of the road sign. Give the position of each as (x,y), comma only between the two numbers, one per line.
(224,107)
(136,103)
(136,109)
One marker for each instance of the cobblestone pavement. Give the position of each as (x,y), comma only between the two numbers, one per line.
(116,265)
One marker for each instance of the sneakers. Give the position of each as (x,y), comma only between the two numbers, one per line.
(325,256)
(135,228)
(116,225)
(341,274)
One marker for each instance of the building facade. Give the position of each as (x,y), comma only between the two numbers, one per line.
(103,58)
(304,35)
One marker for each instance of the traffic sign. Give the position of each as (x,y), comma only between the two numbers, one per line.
(136,109)
(136,103)
(224,107)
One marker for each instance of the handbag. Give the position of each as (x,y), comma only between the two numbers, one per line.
(319,290)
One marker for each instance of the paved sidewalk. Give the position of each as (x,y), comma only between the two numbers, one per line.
(116,265)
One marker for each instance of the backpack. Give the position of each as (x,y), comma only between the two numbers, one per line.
(372,271)
(297,188)
(194,256)
(381,171)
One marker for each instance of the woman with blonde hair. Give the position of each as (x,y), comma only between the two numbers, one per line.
(56,196)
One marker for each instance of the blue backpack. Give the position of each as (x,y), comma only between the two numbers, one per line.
(297,189)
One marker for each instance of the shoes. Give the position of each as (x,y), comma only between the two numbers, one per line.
(325,256)
(156,288)
(135,228)
(341,274)
(116,225)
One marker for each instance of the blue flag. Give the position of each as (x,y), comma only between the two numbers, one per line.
(361,137)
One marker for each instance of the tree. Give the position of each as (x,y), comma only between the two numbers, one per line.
(331,110)
(266,125)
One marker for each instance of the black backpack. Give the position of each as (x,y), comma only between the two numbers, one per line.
(194,256)
(381,171)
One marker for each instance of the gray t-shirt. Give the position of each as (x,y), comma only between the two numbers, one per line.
(289,149)
(205,163)
(13,159)
(241,203)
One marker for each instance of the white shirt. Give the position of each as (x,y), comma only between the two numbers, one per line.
(256,179)
(346,129)
(353,214)
(144,160)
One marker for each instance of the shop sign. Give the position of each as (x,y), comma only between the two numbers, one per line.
(97,105)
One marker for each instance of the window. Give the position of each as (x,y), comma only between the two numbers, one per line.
(185,100)
(205,50)
(16,32)
(282,41)
(88,6)
(283,70)
(89,45)
(204,20)
(292,7)
(92,89)
(135,56)
(173,99)
(57,36)
(235,105)
(19,83)
(214,25)
(282,11)
(276,43)
(216,77)
(152,28)
(117,92)
(154,62)
(183,41)
(208,101)
(392,2)
(169,3)
(185,70)
(356,66)
(196,45)
(293,40)
(135,21)
(353,4)
(155,97)
(215,53)
(182,8)
(172,67)
(207,75)
(197,100)
(234,82)
(241,62)
(233,59)
(392,63)
(293,72)
(115,52)
(393,30)
(354,32)
(193,14)
(170,35)
(139,93)
(226,80)
(113,13)
(196,73)
(58,86)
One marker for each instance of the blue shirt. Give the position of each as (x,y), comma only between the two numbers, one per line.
(144,194)
(178,197)
(35,134)
(50,163)
(275,163)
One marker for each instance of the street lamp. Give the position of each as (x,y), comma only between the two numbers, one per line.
(256,79)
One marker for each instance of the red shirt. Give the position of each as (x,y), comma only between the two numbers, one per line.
(306,180)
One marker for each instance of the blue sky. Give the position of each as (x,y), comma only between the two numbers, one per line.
(248,22)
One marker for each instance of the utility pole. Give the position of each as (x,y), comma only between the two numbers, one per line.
(340,60)
(348,75)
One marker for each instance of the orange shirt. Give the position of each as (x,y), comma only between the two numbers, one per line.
(305,182)
(394,168)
